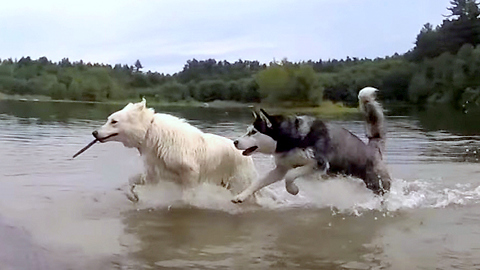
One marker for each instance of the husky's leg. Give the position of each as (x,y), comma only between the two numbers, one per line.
(296,173)
(377,177)
(320,162)
(273,176)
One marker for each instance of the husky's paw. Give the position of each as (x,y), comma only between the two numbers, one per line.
(292,188)
(324,166)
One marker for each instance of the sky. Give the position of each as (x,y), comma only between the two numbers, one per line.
(163,35)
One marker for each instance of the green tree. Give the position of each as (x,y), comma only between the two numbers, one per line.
(427,44)
(419,89)
(58,91)
(273,83)
(7,84)
(74,91)
(6,69)
(467,9)
(210,90)
(173,91)
(138,65)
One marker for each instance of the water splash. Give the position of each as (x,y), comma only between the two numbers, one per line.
(341,195)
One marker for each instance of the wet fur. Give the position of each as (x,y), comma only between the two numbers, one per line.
(305,144)
(176,151)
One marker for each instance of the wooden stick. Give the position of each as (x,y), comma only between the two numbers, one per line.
(85,148)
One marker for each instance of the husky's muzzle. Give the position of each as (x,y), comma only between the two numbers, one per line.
(246,152)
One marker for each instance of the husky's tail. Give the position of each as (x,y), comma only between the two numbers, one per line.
(373,116)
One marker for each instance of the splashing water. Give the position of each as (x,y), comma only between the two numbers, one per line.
(342,194)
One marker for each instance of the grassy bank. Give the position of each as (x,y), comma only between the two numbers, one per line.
(24,97)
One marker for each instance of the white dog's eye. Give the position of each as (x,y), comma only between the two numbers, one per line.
(114,121)
(253,131)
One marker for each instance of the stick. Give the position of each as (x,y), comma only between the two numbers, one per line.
(85,148)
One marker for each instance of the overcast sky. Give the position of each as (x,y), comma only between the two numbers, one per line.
(165,34)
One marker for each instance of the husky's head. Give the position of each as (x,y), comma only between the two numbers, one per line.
(259,136)
(127,126)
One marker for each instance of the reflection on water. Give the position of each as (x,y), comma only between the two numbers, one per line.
(72,214)
(315,239)
(450,120)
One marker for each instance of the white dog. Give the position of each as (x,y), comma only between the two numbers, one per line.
(174,150)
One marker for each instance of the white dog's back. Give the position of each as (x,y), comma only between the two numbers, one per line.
(179,152)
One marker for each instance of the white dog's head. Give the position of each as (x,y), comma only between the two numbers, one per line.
(256,139)
(128,126)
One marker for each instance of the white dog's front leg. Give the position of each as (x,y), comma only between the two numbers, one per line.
(296,173)
(273,176)
(138,179)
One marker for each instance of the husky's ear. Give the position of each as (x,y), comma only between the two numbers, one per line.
(264,113)
(265,117)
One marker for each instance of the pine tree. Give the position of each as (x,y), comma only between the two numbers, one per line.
(464,9)
(138,65)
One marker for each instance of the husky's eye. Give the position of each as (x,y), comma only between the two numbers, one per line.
(253,131)
(114,121)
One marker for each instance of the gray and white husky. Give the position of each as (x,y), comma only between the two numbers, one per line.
(302,145)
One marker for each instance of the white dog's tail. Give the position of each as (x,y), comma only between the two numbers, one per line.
(373,116)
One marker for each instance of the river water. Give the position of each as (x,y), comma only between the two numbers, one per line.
(59,213)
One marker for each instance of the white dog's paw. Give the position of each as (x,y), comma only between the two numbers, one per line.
(292,188)
(132,195)
(239,199)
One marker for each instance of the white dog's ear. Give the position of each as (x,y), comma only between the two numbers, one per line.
(142,104)
(128,106)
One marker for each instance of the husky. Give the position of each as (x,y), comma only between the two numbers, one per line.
(302,145)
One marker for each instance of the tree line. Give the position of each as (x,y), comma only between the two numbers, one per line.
(443,66)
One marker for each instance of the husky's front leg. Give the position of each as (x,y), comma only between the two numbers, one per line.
(273,176)
(293,174)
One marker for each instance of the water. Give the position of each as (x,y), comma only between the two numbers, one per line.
(59,213)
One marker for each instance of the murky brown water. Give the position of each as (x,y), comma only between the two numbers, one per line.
(59,213)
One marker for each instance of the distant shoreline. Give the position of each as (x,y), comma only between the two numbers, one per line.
(327,107)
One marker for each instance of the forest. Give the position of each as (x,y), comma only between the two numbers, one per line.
(442,67)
